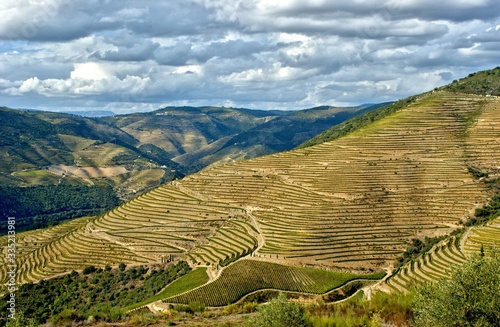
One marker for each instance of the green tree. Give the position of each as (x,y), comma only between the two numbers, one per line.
(280,313)
(470,298)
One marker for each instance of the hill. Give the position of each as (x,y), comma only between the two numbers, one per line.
(485,83)
(45,154)
(199,137)
(47,157)
(352,204)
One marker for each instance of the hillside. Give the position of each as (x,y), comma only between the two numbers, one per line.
(55,166)
(199,137)
(45,154)
(485,83)
(353,204)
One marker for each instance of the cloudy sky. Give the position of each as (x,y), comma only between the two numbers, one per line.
(271,54)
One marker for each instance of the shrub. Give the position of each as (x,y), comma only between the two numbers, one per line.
(280,313)
(469,298)
(122,266)
(88,270)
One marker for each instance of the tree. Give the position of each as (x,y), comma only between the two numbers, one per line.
(88,270)
(470,298)
(280,313)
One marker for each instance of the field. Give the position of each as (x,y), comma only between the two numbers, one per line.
(191,280)
(247,276)
(352,204)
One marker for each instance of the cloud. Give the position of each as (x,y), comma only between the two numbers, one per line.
(130,55)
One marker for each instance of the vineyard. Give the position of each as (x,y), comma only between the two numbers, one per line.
(485,237)
(442,258)
(352,204)
(247,276)
(432,265)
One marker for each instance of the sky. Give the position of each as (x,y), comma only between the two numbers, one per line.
(129,56)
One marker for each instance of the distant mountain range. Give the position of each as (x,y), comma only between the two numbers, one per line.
(91,113)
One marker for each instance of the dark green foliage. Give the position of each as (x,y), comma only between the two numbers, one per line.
(484,83)
(89,270)
(280,313)
(99,293)
(489,211)
(477,173)
(469,298)
(45,205)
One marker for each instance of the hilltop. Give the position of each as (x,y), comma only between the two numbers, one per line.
(486,83)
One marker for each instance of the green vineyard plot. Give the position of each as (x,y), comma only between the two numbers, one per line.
(191,280)
(246,276)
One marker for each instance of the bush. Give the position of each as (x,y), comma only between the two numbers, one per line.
(122,266)
(88,270)
(280,313)
(197,306)
(469,298)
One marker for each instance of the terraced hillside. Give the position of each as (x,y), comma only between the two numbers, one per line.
(349,204)
(355,202)
(436,263)
(52,251)
(443,257)
(125,155)
(486,237)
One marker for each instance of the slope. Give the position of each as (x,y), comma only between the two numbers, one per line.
(283,133)
(196,137)
(121,156)
(351,204)
(74,159)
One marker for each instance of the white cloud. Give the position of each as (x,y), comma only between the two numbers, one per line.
(89,71)
(255,53)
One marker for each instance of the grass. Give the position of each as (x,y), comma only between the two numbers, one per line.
(191,280)
(35,177)
(393,309)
